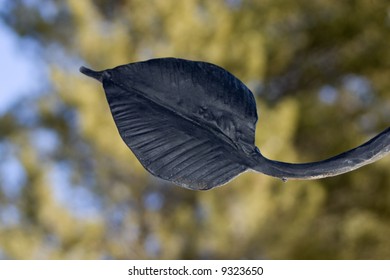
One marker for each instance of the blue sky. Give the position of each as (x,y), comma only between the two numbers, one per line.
(20,71)
(23,74)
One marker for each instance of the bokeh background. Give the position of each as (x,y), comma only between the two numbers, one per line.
(71,189)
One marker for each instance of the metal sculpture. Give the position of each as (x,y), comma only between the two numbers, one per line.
(193,123)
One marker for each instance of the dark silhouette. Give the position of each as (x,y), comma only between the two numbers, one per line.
(193,123)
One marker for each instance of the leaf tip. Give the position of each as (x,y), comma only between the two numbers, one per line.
(91,73)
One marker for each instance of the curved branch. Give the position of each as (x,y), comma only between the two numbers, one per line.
(371,151)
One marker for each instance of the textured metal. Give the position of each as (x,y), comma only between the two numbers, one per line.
(193,123)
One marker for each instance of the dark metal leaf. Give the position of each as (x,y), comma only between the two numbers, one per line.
(180,130)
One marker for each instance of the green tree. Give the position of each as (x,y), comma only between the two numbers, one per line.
(319,70)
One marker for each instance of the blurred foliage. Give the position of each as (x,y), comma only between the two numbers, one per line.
(320,72)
